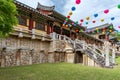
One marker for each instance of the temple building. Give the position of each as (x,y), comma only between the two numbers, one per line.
(40,38)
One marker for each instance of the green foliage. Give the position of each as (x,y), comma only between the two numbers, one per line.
(59,71)
(7,17)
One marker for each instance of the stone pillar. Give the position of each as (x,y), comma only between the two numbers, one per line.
(74,44)
(54,36)
(107,61)
(30,61)
(3,59)
(18,58)
(113,55)
(30,56)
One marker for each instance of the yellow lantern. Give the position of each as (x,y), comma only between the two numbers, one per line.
(96,28)
(66,25)
(87,18)
(63,25)
(102,20)
(110,30)
(103,32)
(70,13)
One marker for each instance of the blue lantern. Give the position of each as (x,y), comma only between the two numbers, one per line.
(95,15)
(73,8)
(112,18)
(75,25)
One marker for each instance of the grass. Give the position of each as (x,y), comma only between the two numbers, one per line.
(59,71)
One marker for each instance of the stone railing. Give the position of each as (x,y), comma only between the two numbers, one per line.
(32,33)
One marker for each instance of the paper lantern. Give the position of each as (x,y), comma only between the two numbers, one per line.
(68,16)
(63,25)
(70,13)
(103,32)
(95,15)
(94,21)
(78,1)
(111,27)
(87,18)
(118,26)
(81,30)
(64,22)
(106,11)
(66,19)
(102,20)
(80,24)
(118,6)
(112,18)
(81,20)
(110,30)
(76,30)
(86,23)
(73,8)
(75,25)
(96,28)
(66,25)
(76,22)
(72,23)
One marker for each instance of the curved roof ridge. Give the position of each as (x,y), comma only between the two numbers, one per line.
(48,8)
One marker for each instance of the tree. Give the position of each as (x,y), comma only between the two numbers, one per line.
(8,18)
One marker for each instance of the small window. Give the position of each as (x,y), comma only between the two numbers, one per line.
(22,20)
(39,26)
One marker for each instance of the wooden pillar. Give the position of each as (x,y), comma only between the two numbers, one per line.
(30,24)
(48,28)
(61,31)
(34,24)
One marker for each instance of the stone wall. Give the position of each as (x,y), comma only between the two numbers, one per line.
(89,62)
(23,51)
(16,51)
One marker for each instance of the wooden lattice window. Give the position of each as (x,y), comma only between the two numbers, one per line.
(22,20)
(39,26)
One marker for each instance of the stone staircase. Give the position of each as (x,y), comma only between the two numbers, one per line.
(92,52)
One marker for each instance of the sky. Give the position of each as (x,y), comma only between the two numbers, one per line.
(84,9)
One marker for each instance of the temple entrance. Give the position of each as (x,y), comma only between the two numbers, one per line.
(78,57)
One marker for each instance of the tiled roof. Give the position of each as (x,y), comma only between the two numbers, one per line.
(48,8)
(100,27)
(30,8)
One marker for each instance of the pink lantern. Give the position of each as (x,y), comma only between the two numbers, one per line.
(68,16)
(94,21)
(78,1)
(81,20)
(106,11)
(72,23)
(80,24)
(118,26)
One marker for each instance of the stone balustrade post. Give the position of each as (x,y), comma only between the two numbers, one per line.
(54,35)
(113,55)
(33,33)
(107,60)
(20,34)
